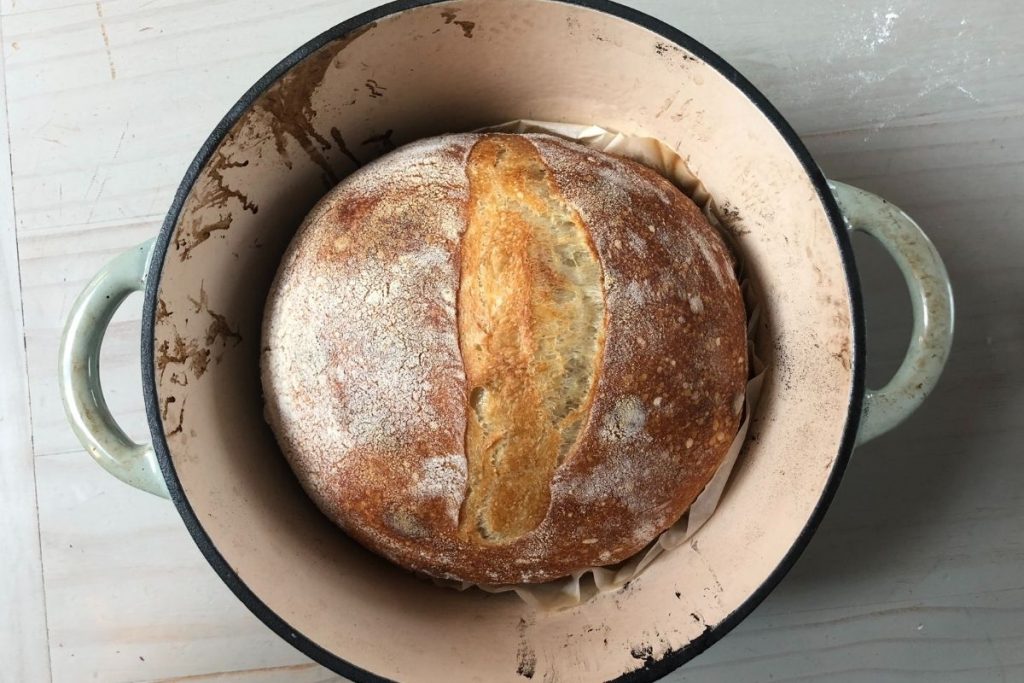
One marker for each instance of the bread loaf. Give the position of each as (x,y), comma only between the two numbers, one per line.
(502,358)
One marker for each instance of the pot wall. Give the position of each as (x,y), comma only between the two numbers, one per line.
(450,67)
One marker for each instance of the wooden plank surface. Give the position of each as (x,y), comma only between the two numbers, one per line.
(130,597)
(23,641)
(918,571)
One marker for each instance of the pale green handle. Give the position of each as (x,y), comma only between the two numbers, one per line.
(90,418)
(930,295)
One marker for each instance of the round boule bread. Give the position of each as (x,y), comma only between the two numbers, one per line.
(503,358)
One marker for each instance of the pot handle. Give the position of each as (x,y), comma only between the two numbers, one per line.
(930,295)
(79,373)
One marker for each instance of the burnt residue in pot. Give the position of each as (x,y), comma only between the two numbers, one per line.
(285,111)
(467,27)
(526,658)
(190,357)
(289,103)
(183,353)
(198,231)
(383,141)
(343,148)
(375,88)
(219,329)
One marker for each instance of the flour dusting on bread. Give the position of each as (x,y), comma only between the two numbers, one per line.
(390,354)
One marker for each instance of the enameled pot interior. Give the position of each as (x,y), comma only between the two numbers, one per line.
(453,67)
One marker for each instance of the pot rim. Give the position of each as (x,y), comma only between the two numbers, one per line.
(653,669)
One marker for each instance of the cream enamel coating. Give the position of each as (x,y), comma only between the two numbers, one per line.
(458,66)
(260,184)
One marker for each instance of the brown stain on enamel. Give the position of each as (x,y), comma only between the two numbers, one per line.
(219,328)
(162,312)
(185,353)
(221,192)
(181,417)
(213,192)
(198,306)
(289,104)
(198,231)
(383,141)
(467,27)
(343,148)
(167,404)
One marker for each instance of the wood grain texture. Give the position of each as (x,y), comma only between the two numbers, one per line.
(23,645)
(917,573)
(130,597)
(296,673)
(56,264)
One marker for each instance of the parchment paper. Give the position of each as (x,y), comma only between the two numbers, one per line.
(587,583)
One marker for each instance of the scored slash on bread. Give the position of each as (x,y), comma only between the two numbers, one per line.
(502,358)
(531,327)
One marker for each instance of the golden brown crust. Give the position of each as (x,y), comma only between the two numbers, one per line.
(368,390)
(531,326)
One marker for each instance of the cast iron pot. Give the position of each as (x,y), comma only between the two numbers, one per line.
(412,69)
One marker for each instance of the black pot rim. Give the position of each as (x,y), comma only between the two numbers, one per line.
(654,668)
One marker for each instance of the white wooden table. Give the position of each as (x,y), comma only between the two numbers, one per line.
(918,571)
